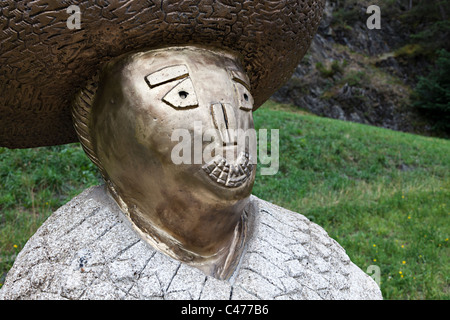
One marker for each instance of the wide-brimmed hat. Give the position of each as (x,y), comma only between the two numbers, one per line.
(44,62)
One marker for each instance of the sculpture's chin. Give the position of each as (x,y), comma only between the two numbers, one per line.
(213,248)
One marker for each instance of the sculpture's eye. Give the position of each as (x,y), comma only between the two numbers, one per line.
(245,98)
(182,95)
(242,87)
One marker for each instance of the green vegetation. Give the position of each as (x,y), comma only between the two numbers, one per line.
(430,23)
(34,183)
(432,94)
(425,24)
(416,32)
(383,195)
(346,13)
(409,51)
(355,78)
(335,68)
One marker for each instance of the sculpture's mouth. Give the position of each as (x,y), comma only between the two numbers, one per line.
(228,174)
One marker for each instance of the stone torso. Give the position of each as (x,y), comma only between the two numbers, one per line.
(86,250)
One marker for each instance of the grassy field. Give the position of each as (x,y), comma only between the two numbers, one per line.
(383,195)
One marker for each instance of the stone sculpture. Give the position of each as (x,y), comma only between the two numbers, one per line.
(133,74)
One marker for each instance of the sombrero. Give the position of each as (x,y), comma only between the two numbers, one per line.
(44,63)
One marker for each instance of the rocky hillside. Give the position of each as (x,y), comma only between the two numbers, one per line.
(367,76)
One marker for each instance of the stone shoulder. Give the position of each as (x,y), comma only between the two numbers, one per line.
(300,261)
(86,250)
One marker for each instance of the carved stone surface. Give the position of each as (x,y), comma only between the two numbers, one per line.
(86,250)
(43,63)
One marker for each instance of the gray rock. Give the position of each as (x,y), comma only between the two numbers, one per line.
(87,250)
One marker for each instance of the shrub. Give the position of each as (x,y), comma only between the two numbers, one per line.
(432,93)
(330,72)
(355,79)
(346,14)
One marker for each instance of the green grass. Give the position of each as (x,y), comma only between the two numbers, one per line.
(383,195)
(34,183)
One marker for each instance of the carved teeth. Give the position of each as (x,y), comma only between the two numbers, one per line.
(230,175)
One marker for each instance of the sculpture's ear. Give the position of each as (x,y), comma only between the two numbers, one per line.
(81,113)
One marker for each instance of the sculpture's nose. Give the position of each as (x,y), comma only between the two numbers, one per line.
(224,118)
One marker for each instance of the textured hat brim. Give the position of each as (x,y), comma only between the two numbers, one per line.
(43,63)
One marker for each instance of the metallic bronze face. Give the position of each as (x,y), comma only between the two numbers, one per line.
(193,211)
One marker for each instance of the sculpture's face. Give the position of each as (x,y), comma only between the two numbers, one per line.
(161,107)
